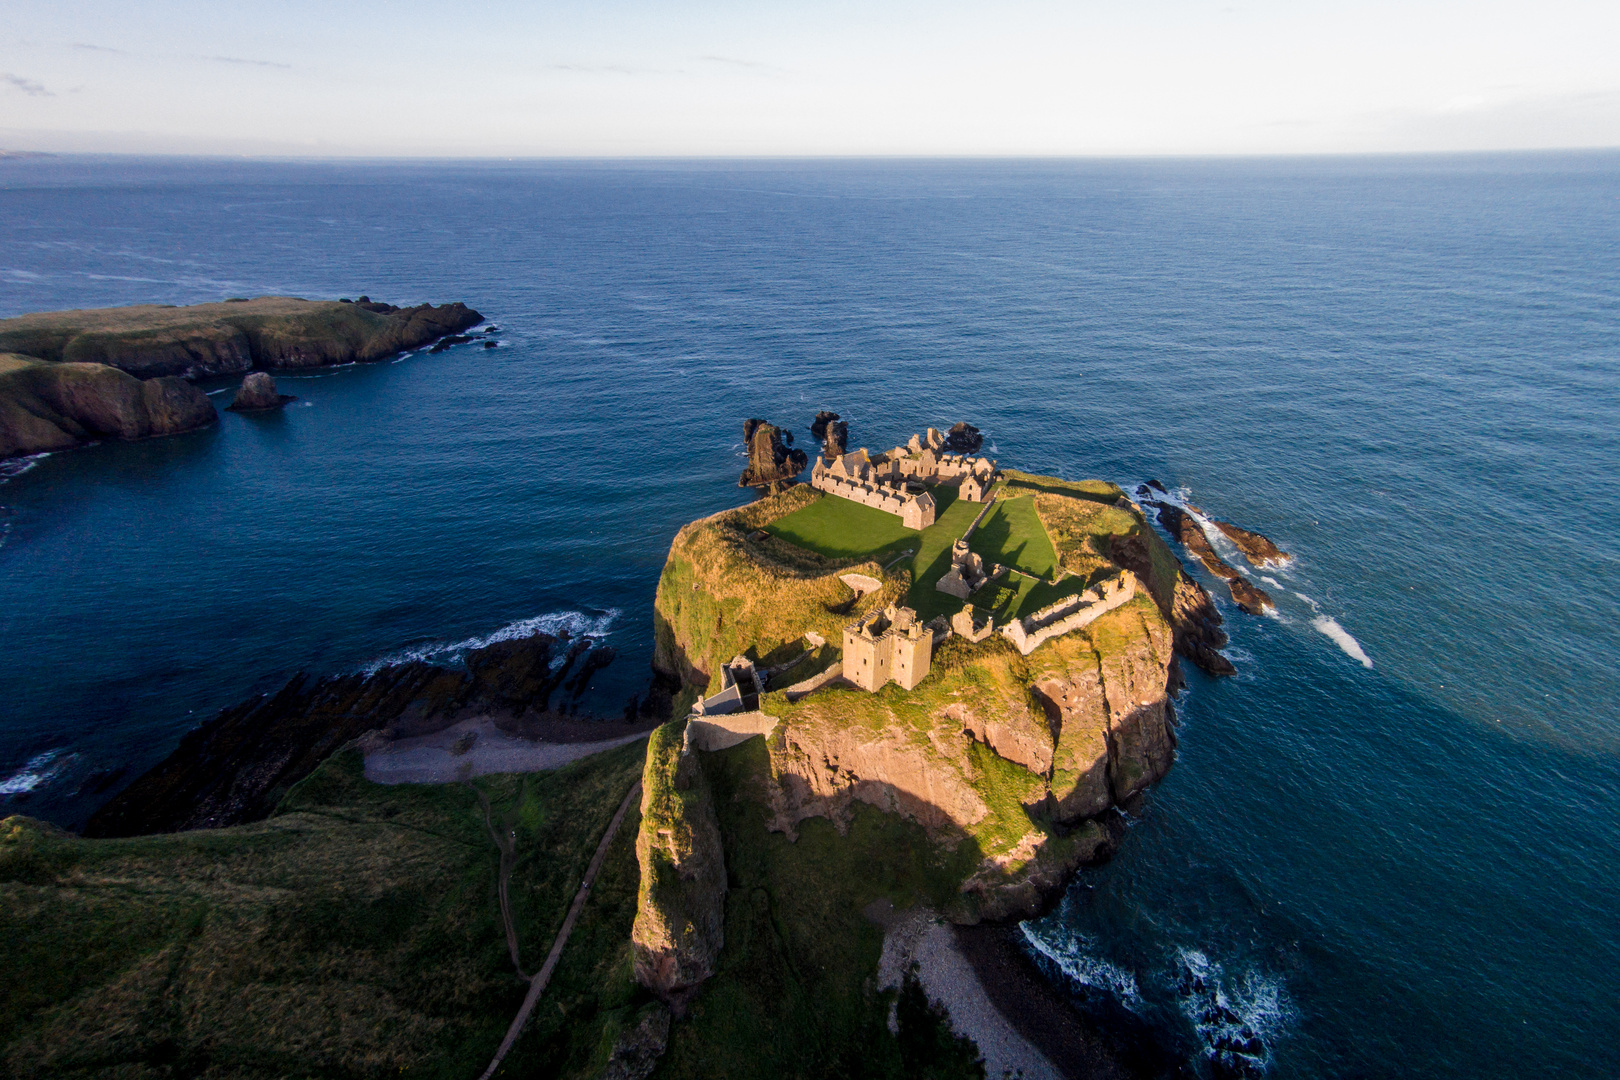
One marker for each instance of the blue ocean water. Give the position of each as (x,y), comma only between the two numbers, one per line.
(1389,847)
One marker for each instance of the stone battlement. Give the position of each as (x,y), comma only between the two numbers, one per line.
(1071,613)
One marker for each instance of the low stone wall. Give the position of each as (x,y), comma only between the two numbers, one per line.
(814,682)
(724,732)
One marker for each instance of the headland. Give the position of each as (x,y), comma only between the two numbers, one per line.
(72,377)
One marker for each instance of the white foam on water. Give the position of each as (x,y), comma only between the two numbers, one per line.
(39,769)
(575,624)
(1230,1010)
(1070,955)
(18,465)
(1342,638)
(1269,580)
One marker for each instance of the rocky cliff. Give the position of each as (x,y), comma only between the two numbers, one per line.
(46,406)
(73,377)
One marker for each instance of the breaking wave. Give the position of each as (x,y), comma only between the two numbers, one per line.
(1071,958)
(1237,1016)
(18,465)
(1342,638)
(573,624)
(39,769)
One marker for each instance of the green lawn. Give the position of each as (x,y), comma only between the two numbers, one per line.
(840,529)
(354,934)
(1011,534)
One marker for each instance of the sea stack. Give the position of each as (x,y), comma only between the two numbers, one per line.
(257,393)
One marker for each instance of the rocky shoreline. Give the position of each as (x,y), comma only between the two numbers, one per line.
(237,767)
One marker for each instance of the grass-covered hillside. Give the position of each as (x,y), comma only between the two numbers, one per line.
(354,934)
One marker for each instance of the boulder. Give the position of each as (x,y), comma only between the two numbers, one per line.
(258,392)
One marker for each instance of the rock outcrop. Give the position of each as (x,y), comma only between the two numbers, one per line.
(771,465)
(45,406)
(1194,620)
(831,432)
(257,393)
(1249,597)
(963,438)
(237,767)
(680,911)
(72,377)
(1256,548)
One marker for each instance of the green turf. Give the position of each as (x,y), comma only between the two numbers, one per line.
(1012,534)
(354,934)
(841,529)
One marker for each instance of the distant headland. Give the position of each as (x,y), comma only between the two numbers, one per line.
(68,378)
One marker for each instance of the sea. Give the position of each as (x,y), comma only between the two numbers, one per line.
(1389,847)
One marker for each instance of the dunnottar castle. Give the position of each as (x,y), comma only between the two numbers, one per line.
(894,482)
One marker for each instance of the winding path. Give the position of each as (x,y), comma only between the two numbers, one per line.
(537,985)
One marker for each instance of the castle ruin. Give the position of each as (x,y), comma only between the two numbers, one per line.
(887,646)
(889,481)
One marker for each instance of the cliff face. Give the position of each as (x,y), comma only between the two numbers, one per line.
(71,377)
(45,406)
(680,911)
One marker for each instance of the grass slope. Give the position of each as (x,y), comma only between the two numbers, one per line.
(841,529)
(794,995)
(355,934)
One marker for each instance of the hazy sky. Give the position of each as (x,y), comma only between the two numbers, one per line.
(706,77)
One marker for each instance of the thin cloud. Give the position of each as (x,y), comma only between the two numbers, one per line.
(610,69)
(251,63)
(98,48)
(732,61)
(27,86)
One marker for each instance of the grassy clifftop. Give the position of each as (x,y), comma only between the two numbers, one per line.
(230,337)
(354,934)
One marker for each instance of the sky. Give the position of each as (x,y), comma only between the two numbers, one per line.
(815,77)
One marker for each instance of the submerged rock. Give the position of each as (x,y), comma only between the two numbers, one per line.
(258,392)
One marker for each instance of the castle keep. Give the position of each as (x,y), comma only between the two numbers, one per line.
(887,646)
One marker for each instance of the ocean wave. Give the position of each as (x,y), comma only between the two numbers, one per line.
(1069,953)
(18,465)
(573,624)
(1238,1017)
(1341,637)
(38,770)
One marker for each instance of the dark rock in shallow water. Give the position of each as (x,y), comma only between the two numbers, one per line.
(1184,528)
(444,343)
(1249,597)
(963,438)
(490,344)
(831,432)
(771,465)
(258,392)
(1156,486)
(1256,548)
(238,766)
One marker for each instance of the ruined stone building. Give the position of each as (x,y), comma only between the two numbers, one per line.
(888,481)
(852,476)
(887,646)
